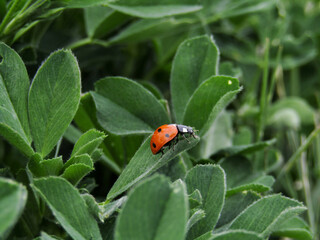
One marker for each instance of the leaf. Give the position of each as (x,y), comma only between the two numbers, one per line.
(195,199)
(14,87)
(106,210)
(88,142)
(295,228)
(75,172)
(196,217)
(45,236)
(217,137)
(80,3)
(243,149)
(234,205)
(162,210)
(13,197)
(195,61)
(83,158)
(147,29)
(53,99)
(265,214)
(155,9)
(120,101)
(236,234)
(45,167)
(210,181)
(144,163)
(74,218)
(99,20)
(304,111)
(175,169)
(241,176)
(208,101)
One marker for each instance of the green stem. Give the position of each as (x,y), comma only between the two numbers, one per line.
(58,147)
(263,96)
(287,167)
(275,75)
(306,190)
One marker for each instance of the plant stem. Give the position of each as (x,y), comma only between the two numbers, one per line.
(306,190)
(263,96)
(286,168)
(58,147)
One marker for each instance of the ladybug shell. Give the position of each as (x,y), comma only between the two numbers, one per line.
(161,136)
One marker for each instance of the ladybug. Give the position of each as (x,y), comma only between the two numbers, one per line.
(167,134)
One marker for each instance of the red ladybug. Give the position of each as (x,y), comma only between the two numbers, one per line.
(168,134)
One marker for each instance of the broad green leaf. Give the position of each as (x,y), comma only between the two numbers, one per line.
(106,210)
(236,234)
(100,20)
(88,142)
(300,107)
(80,3)
(295,228)
(155,209)
(208,100)
(74,218)
(264,215)
(92,204)
(195,199)
(45,236)
(155,9)
(215,9)
(175,169)
(243,149)
(75,172)
(83,158)
(147,29)
(45,167)
(13,197)
(234,205)
(217,137)
(241,176)
(195,217)
(144,163)
(53,99)
(120,101)
(210,181)
(195,61)
(14,87)
(228,69)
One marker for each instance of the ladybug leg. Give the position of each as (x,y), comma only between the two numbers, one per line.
(193,135)
(184,136)
(161,150)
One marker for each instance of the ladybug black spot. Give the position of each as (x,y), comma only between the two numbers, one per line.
(154,145)
(159,130)
(167,135)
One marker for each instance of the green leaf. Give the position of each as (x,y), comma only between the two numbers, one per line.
(195,199)
(13,197)
(304,112)
(75,172)
(155,209)
(45,236)
(53,99)
(45,167)
(80,3)
(106,210)
(210,181)
(175,169)
(88,142)
(264,215)
(217,137)
(295,228)
(120,101)
(234,205)
(100,20)
(195,61)
(243,149)
(74,218)
(155,9)
(196,217)
(144,163)
(241,176)
(208,101)
(14,87)
(236,234)
(146,29)
(83,158)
